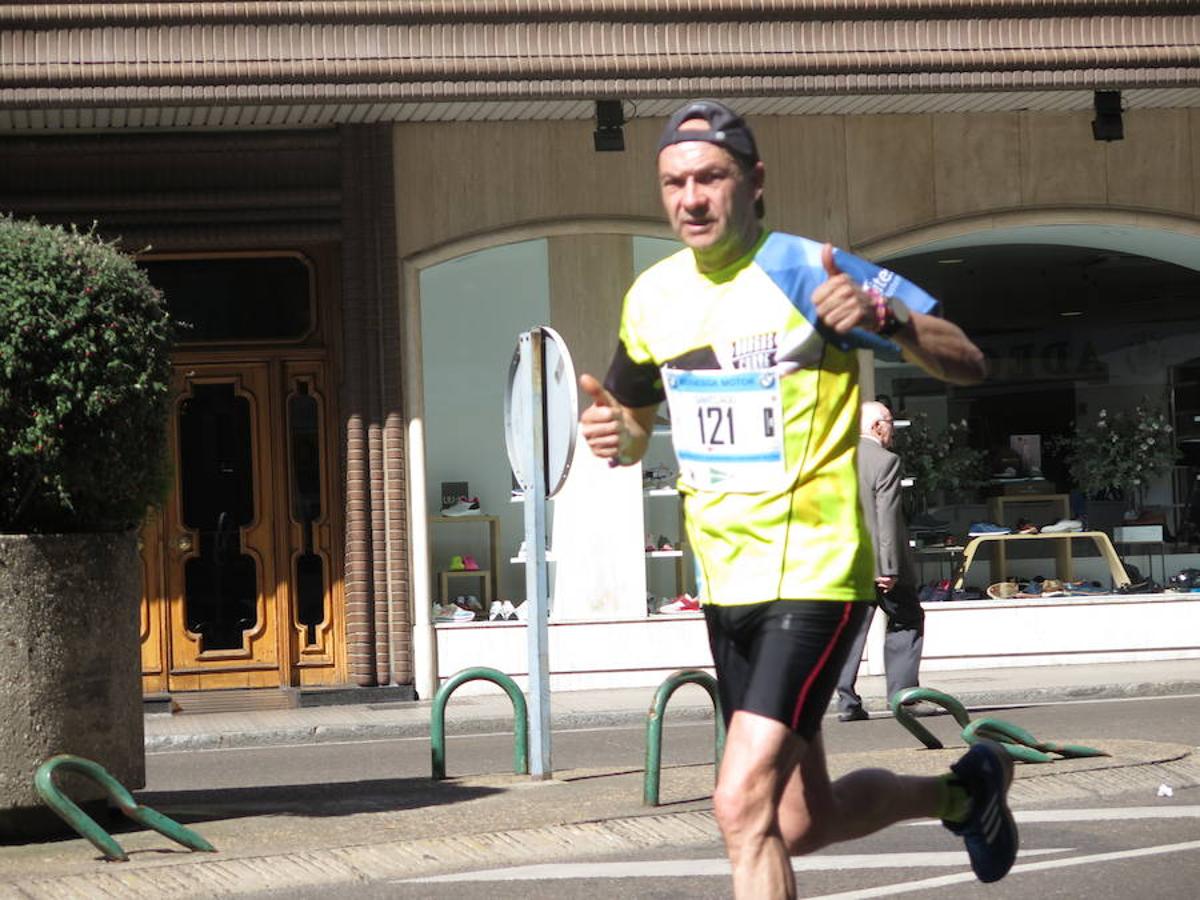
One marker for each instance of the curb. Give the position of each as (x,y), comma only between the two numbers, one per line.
(308,734)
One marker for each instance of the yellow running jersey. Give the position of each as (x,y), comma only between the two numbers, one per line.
(765,415)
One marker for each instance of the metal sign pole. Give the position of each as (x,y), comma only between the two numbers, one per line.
(541,412)
(536,588)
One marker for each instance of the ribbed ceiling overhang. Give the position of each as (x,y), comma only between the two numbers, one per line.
(233,65)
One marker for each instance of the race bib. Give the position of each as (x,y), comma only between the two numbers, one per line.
(727,427)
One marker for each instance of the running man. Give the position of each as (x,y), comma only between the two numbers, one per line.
(750,338)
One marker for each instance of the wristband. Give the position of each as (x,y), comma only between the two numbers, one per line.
(883,313)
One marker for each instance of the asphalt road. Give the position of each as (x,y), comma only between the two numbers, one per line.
(1170,719)
(1128,846)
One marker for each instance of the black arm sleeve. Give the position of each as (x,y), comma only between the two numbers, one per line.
(633,384)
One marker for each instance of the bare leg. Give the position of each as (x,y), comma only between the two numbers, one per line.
(814,813)
(760,756)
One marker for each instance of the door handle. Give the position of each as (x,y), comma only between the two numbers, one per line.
(183,543)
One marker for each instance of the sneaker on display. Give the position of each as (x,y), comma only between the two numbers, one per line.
(1062,525)
(508,612)
(978,529)
(681,604)
(470,602)
(456,564)
(1003,590)
(469,564)
(521,612)
(496,612)
(463,615)
(464,506)
(1024,526)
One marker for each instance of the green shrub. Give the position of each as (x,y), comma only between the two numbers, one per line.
(938,460)
(84,376)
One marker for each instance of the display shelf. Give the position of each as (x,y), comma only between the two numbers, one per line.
(999,505)
(489,574)
(1063,539)
(520,560)
(483,575)
(660,518)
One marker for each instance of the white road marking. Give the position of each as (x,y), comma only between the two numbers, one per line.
(691,868)
(835,862)
(890,890)
(1031,816)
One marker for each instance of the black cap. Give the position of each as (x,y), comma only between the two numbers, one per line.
(725,129)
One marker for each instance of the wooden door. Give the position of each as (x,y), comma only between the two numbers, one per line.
(243,552)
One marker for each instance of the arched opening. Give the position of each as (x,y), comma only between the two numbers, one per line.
(1080,321)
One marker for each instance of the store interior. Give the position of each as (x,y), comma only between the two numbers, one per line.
(1070,330)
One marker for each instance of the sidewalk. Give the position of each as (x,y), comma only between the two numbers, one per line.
(333,836)
(492,711)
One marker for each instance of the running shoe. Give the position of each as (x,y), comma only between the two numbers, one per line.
(981,528)
(1062,525)
(989,831)
(464,506)
(469,563)
(681,604)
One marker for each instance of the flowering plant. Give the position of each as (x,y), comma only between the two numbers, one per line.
(938,460)
(1119,454)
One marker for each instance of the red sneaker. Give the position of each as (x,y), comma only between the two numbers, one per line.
(682,603)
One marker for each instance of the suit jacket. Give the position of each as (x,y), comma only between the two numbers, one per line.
(879,494)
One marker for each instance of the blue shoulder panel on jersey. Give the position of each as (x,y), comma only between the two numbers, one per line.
(794,264)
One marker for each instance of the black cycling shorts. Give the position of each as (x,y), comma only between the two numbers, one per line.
(781,659)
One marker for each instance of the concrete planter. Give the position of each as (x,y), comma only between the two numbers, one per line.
(69,666)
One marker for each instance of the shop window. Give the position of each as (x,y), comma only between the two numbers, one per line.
(472,310)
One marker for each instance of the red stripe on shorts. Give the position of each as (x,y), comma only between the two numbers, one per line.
(812,676)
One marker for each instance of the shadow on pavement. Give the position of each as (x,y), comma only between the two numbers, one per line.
(311,800)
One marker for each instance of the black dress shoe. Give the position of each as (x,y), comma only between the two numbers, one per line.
(857,714)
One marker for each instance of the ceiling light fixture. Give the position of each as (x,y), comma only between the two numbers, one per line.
(1107,125)
(1071,312)
(951,261)
(608,135)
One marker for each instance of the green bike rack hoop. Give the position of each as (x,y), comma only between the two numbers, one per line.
(1016,741)
(85,825)
(437,722)
(654,725)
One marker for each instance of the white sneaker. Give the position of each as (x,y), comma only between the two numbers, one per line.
(496,612)
(508,612)
(521,612)
(451,613)
(1063,525)
(465,506)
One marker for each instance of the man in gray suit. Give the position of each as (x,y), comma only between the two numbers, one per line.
(895,577)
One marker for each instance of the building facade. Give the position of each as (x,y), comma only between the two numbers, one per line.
(357,206)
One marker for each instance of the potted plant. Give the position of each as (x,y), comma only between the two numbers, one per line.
(938,461)
(1116,456)
(84,368)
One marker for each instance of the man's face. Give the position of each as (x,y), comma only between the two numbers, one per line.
(709,200)
(885,430)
